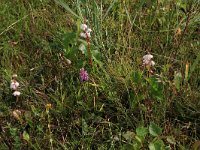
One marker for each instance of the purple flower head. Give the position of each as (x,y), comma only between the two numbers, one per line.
(83,75)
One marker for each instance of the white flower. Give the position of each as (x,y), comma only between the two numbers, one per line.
(147,60)
(88,34)
(152,63)
(83,35)
(16,93)
(148,57)
(89,30)
(86,31)
(14,84)
(14,75)
(84,27)
(68,61)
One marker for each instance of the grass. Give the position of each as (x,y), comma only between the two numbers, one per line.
(122,106)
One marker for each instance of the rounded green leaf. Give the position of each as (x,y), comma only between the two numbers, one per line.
(141,131)
(157,145)
(154,130)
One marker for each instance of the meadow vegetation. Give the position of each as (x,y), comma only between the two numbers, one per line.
(123,104)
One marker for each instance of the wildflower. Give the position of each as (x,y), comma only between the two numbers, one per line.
(16,93)
(89,30)
(83,35)
(147,57)
(83,75)
(147,60)
(83,27)
(86,31)
(14,84)
(152,63)
(68,61)
(88,34)
(14,76)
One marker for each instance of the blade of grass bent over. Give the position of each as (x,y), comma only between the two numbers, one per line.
(64,5)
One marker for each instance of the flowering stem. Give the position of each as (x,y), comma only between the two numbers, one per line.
(88,42)
(89,52)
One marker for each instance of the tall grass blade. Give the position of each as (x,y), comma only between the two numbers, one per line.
(110,7)
(64,5)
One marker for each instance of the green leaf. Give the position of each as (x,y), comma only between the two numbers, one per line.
(157,145)
(152,146)
(100,63)
(139,139)
(96,54)
(182,6)
(26,136)
(168,148)
(154,130)
(69,40)
(156,88)
(141,132)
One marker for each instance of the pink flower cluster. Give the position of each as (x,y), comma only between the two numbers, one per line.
(83,75)
(147,60)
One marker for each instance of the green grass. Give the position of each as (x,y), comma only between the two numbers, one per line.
(122,106)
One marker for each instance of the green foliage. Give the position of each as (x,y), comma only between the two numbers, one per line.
(124,105)
(154,130)
(26,136)
(157,145)
(16,139)
(141,132)
(67,8)
(69,40)
(156,88)
(138,140)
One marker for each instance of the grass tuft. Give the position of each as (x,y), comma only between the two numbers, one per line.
(127,103)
